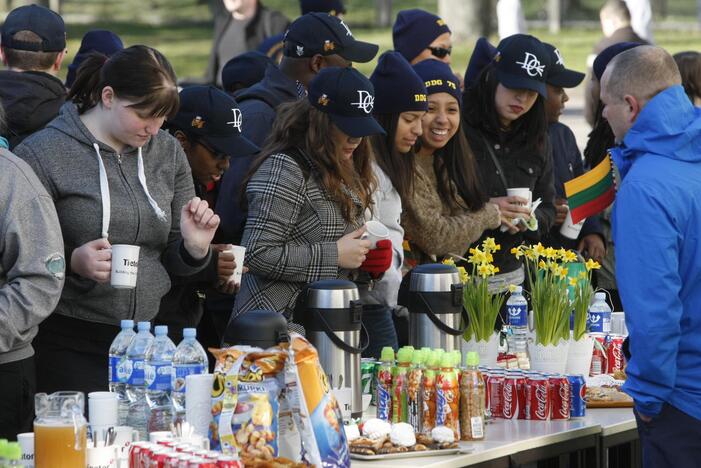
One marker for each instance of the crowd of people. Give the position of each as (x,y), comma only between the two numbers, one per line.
(290,151)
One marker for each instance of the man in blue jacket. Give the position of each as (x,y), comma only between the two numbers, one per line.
(656,225)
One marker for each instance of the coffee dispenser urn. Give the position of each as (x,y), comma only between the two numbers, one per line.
(258,328)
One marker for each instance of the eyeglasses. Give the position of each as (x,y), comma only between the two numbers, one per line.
(440,52)
(215,153)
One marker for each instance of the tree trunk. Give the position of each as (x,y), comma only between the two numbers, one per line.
(384,13)
(468,19)
(554,16)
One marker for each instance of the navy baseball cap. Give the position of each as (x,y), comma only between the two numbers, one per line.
(414,30)
(606,55)
(348,98)
(212,115)
(439,78)
(482,55)
(272,47)
(43,22)
(98,40)
(332,7)
(247,68)
(522,62)
(321,33)
(397,86)
(558,75)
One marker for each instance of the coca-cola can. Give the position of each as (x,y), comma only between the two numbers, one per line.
(560,397)
(599,355)
(201,462)
(185,460)
(159,457)
(538,399)
(614,353)
(495,389)
(229,461)
(509,397)
(173,460)
(135,453)
(521,389)
(485,377)
(578,391)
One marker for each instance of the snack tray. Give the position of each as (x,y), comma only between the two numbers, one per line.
(421,453)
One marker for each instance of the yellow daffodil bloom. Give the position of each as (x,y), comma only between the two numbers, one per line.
(569,256)
(592,265)
(573,282)
(582,275)
(449,261)
(517,252)
(542,265)
(539,250)
(489,245)
(512,288)
(550,253)
(464,277)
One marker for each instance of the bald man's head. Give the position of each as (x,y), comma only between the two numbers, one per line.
(631,79)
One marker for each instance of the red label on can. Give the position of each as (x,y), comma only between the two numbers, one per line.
(510,398)
(615,354)
(560,395)
(496,384)
(538,399)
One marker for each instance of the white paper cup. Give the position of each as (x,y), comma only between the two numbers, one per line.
(569,229)
(523,192)
(102,457)
(157,436)
(103,410)
(125,266)
(124,436)
(26,443)
(198,402)
(375,231)
(239,253)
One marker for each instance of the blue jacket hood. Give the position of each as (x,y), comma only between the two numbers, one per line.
(668,126)
(274,89)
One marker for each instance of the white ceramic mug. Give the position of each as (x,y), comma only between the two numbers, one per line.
(157,436)
(375,231)
(124,436)
(103,409)
(26,443)
(125,266)
(102,457)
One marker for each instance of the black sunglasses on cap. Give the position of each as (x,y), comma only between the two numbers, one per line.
(440,52)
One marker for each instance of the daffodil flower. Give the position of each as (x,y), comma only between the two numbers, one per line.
(592,265)
(573,282)
(550,253)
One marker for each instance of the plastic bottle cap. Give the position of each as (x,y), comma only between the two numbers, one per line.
(161,330)
(189,332)
(600,296)
(404,355)
(473,359)
(517,290)
(13,451)
(387,354)
(457,356)
(126,324)
(144,326)
(417,358)
(447,360)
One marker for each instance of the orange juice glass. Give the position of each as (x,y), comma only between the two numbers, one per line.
(60,430)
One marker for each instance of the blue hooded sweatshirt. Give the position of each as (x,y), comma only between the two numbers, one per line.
(657,234)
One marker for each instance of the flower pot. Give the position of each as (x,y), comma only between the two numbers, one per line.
(487,350)
(579,355)
(550,358)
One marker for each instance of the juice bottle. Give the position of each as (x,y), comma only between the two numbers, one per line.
(428,391)
(400,385)
(472,399)
(448,396)
(383,385)
(415,393)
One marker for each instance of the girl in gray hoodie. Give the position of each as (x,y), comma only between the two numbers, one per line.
(115,178)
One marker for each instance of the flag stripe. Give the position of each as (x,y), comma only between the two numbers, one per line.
(588,178)
(590,193)
(594,206)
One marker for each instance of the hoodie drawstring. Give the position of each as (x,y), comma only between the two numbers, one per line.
(105,191)
(142,179)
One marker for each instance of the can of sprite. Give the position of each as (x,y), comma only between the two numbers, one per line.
(367,375)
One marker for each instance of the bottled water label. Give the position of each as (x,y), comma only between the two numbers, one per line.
(181,373)
(158,376)
(114,363)
(518,315)
(119,370)
(134,369)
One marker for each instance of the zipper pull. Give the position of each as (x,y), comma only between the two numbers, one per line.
(119,158)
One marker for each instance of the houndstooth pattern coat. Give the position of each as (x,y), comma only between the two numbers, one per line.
(290,234)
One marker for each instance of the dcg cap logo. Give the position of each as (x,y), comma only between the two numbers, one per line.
(238,120)
(366,101)
(532,65)
(560,60)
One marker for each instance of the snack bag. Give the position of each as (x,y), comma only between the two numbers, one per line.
(224,395)
(248,422)
(319,417)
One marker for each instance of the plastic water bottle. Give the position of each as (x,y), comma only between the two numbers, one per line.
(517,310)
(599,315)
(158,374)
(190,358)
(137,416)
(118,367)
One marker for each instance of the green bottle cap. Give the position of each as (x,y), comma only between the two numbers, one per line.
(417,358)
(409,347)
(387,354)
(425,350)
(457,356)
(473,359)
(447,360)
(404,355)
(13,452)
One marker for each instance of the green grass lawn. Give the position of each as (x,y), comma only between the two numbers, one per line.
(187,45)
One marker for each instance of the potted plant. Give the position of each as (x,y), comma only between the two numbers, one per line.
(481,304)
(546,272)
(581,344)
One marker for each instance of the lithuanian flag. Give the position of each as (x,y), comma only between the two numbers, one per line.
(591,192)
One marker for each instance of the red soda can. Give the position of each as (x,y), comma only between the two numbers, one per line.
(135,454)
(599,355)
(485,377)
(538,399)
(560,395)
(145,455)
(229,461)
(173,460)
(158,458)
(185,460)
(201,462)
(495,389)
(614,354)
(521,392)
(509,397)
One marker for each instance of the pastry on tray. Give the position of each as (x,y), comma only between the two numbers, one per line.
(401,438)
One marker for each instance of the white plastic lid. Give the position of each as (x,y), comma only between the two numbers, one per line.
(144,326)
(161,330)
(600,296)
(517,290)
(125,324)
(189,332)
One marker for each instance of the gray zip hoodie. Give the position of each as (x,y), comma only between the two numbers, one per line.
(65,158)
(31,257)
